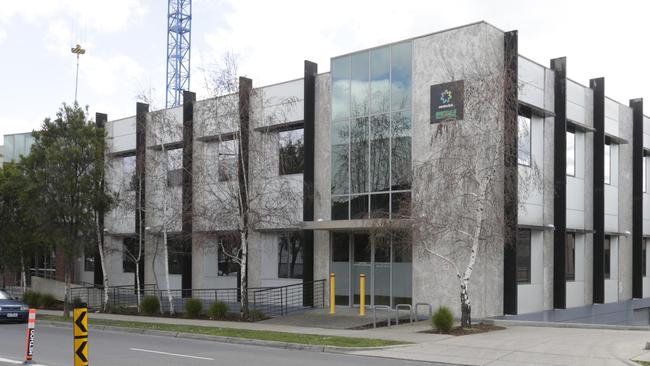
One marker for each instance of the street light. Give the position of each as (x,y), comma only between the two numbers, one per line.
(77,50)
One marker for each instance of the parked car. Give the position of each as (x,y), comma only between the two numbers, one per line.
(12,309)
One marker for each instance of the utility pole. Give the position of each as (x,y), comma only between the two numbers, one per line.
(78,51)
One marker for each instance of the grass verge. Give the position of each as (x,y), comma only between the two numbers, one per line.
(310,339)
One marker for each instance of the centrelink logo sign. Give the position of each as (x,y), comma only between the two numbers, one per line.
(447,101)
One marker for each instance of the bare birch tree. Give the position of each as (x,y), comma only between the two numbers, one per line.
(236,174)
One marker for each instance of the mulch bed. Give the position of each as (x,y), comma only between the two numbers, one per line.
(475,329)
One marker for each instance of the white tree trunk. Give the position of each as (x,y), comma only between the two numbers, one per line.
(66,295)
(23,275)
(166,267)
(137,282)
(243,269)
(100,248)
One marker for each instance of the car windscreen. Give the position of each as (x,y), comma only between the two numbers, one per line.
(4,296)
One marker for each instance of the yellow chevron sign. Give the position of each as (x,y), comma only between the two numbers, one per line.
(80,331)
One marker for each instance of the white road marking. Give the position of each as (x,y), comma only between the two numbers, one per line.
(171,354)
(6,360)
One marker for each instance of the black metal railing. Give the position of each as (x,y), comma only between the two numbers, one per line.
(271,301)
(284,300)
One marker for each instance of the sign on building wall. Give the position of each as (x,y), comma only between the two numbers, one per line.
(447,101)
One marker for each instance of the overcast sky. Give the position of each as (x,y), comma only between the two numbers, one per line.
(126,43)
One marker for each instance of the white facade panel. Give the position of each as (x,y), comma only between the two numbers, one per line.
(575,203)
(121,134)
(575,112)
(531,86)
(532,212)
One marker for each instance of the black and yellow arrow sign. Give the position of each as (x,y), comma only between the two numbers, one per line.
(80,337)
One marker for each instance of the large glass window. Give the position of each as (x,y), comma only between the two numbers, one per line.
(89,262)
(524,140)
(570,153)
(128,173)
(292,151)
(290,261)
(607,253)
(176,255)
(570,257)
(523,255)
(371,131)
(227,166)
(227,254)
(608,163)
(644,174)
(174,167)
(129,253)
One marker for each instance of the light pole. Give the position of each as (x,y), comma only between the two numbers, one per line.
(78,51)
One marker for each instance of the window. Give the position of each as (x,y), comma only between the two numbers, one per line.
(570,257)
(523,255)
(129,254)
(570,153)
(524,141)
(290,261)
(128,173)
(227,254)
(371,131)
(644,258)
(292,151)
(227,167)
(608,163)
(177,255)
(607,255)
(174,167)
(89,262)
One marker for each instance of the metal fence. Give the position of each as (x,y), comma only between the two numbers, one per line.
(271,301)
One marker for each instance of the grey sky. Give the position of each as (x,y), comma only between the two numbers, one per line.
(126,43)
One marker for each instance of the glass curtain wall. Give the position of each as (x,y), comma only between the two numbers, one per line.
(371,133)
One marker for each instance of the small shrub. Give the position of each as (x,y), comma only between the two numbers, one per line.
(218,310)
(32,299)
(256,315)
(193,307)
(150,305)
(47,301)
(443,320)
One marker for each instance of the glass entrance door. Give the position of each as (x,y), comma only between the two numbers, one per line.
(362,260)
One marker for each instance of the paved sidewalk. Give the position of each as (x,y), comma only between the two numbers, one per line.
(516,345)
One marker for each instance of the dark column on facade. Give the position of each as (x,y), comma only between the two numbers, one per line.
(637,197)
(98,276)
(309,82)
(245,89)
(598,86)
(187,213)
(510,171)
(142,110)
(559,182)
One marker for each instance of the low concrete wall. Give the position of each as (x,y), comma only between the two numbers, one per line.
(52,287)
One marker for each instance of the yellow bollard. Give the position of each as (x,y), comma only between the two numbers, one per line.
(362,291)
(332,293)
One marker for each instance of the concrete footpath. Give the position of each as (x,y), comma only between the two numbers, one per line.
(515,345)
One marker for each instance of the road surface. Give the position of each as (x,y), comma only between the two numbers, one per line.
(54,348)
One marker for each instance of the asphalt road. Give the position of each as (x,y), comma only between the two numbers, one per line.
(54,348)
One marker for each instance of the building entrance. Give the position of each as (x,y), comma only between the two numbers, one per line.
(386,262)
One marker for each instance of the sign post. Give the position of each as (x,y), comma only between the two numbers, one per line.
(362,294)
(332,293)
(80,326)
(31,332)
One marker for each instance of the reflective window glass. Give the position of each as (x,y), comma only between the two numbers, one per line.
(340,207)
(570,257)
(400,205)
(401,76)
(570,153)
(174,167)
(290,260)
(523,256)
(608,164)
(359,86)
(524,141)
(607,257)
(340,88)
(340,158)
(291,152)
(380,206)
(359,155)
(401,150)
(380,80)
(227,166)
(379,153)
(359,207)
